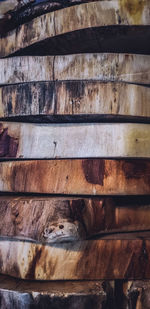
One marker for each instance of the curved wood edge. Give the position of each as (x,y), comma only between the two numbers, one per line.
(75,100)
(40,141)
(59,219)
(81,177)
(14,13)
(96,259)
(99,67)
(75,18)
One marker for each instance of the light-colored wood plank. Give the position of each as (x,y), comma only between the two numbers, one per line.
(24,140)
(75,98)
(96,259)
(67,20)
(85,177)
(18,294)
(23,11)
(62,219)
(102,67)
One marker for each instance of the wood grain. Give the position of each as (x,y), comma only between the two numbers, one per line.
(100,67)
(24,140)
(96,259)
(75,98)
(73,294)
(47,219)
(75,19)
(23,11)
(82,177)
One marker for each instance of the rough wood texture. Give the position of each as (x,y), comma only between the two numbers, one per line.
(103,67)
(81,98)
(23,11)
(136,294)
(87,177)
(97,15)
(96,259)
(69,219)
(24,140)
(6,6)
(18,294)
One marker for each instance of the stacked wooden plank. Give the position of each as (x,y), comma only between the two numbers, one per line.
(75,154)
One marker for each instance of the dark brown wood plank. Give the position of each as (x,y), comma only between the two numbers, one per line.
(75,99)
(62,219)
(82,177)
(86,25)
(96,259)
(18,294)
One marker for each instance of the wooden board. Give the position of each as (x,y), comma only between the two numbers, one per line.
(18,12)
(83,99)
(24,140)
(68,219)
(68,295)
(74,20)
(102,67)
(85,177)
(96,259)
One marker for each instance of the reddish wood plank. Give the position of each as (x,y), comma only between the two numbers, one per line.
(87,177)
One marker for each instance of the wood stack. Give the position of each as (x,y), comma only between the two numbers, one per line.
(75,154)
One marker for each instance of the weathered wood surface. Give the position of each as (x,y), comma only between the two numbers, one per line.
(69,219)
(136,294)
(82,177)
(18,294)
(22,11)
(98,140)
(17,12)
(96,259)
(82,99)
(73,20)
(102,67)
(6,6)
